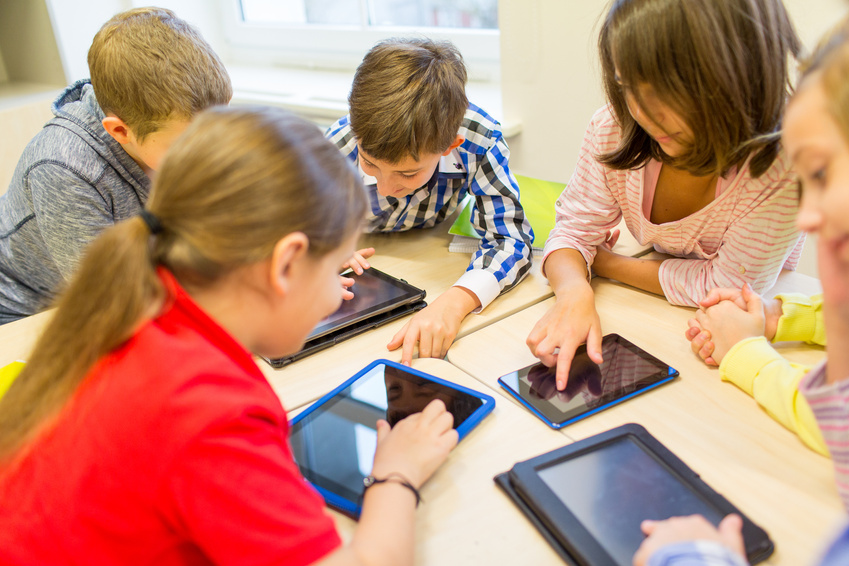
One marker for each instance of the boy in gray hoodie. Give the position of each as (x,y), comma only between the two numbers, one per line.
(90,166)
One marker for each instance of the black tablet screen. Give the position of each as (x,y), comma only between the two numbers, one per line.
(334,445)
(626,369)
(374,292)
(614,487)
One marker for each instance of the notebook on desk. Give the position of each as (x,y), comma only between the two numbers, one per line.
(379,298)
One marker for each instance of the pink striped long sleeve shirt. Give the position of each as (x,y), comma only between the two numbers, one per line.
(830,404)
(746,235)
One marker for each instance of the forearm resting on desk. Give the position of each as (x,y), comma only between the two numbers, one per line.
(636,272)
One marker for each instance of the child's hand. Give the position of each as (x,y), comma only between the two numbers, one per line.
(417,445)
(347,283)
(692,528)
(572,321)
(358,261)
(727,323)
(772,307)
(700,341)
(434,327)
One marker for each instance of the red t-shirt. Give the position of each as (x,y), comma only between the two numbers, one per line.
(173,451)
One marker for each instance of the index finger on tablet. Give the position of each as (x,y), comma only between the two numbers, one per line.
(564,363)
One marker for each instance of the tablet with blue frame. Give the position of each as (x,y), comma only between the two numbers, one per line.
(626,371)
(334,440)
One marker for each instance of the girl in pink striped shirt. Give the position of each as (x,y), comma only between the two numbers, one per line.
(688,152)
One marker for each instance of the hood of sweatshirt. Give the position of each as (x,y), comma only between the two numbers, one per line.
(76,109)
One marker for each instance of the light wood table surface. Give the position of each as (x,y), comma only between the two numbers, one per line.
(465,518)
(718,430)
(421,257)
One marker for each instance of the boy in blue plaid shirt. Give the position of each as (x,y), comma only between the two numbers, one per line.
(421,148)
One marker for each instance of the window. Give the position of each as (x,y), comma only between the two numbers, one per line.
(335,34)
(479,14)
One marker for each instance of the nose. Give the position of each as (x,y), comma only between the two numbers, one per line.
(383,187)
(810,217)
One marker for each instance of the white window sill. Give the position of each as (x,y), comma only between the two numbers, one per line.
(322,96)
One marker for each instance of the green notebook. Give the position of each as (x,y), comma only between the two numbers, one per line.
(538,198)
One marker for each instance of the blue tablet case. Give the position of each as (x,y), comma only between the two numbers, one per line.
(333,440)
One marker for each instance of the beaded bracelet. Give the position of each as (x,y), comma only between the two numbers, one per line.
(394,477)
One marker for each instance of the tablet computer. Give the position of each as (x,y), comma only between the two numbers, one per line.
(591,496)
(334,440)
(627,371)
(378,298)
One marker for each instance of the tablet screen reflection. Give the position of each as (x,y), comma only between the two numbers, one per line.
(334,445)
(612,489)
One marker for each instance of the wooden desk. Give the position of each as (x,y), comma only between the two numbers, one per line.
(715,428)
(17,338)
(422,258)
(465,518)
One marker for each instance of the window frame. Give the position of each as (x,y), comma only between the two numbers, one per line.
(327,47)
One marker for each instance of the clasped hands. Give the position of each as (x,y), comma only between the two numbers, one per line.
(727,316)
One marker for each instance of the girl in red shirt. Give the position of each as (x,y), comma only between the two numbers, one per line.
(141,431)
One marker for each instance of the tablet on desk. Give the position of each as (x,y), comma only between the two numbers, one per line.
(589,498)
(334,440)
(378,298)
(625,372)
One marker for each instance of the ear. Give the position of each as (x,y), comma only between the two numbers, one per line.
(116,128)
(284,260)
(457,141)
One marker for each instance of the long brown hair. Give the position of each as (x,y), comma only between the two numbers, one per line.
(236,181)
(722,65)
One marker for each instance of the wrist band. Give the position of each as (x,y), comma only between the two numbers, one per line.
(393,477)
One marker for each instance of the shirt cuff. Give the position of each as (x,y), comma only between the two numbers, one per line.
(798,321)
(483,284)
(744,362)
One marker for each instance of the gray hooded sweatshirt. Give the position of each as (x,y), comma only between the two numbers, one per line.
(72,181)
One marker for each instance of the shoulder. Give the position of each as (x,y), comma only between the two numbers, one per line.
(780,172)
(777,182)
(604,130)
(480,130)
(193,385)
(342,136)
(61,152)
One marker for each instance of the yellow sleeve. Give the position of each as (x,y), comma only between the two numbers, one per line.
(801,319)
(756,368)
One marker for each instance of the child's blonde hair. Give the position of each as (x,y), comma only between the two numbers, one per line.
(148,66)
(408,98)
(722,65)
(831,60)
(235,183)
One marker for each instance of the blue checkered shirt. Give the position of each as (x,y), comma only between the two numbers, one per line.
(478,167)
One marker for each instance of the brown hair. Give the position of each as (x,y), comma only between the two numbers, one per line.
(148,66)
(722,65)
(408,98)
(235,182)
(830,61)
